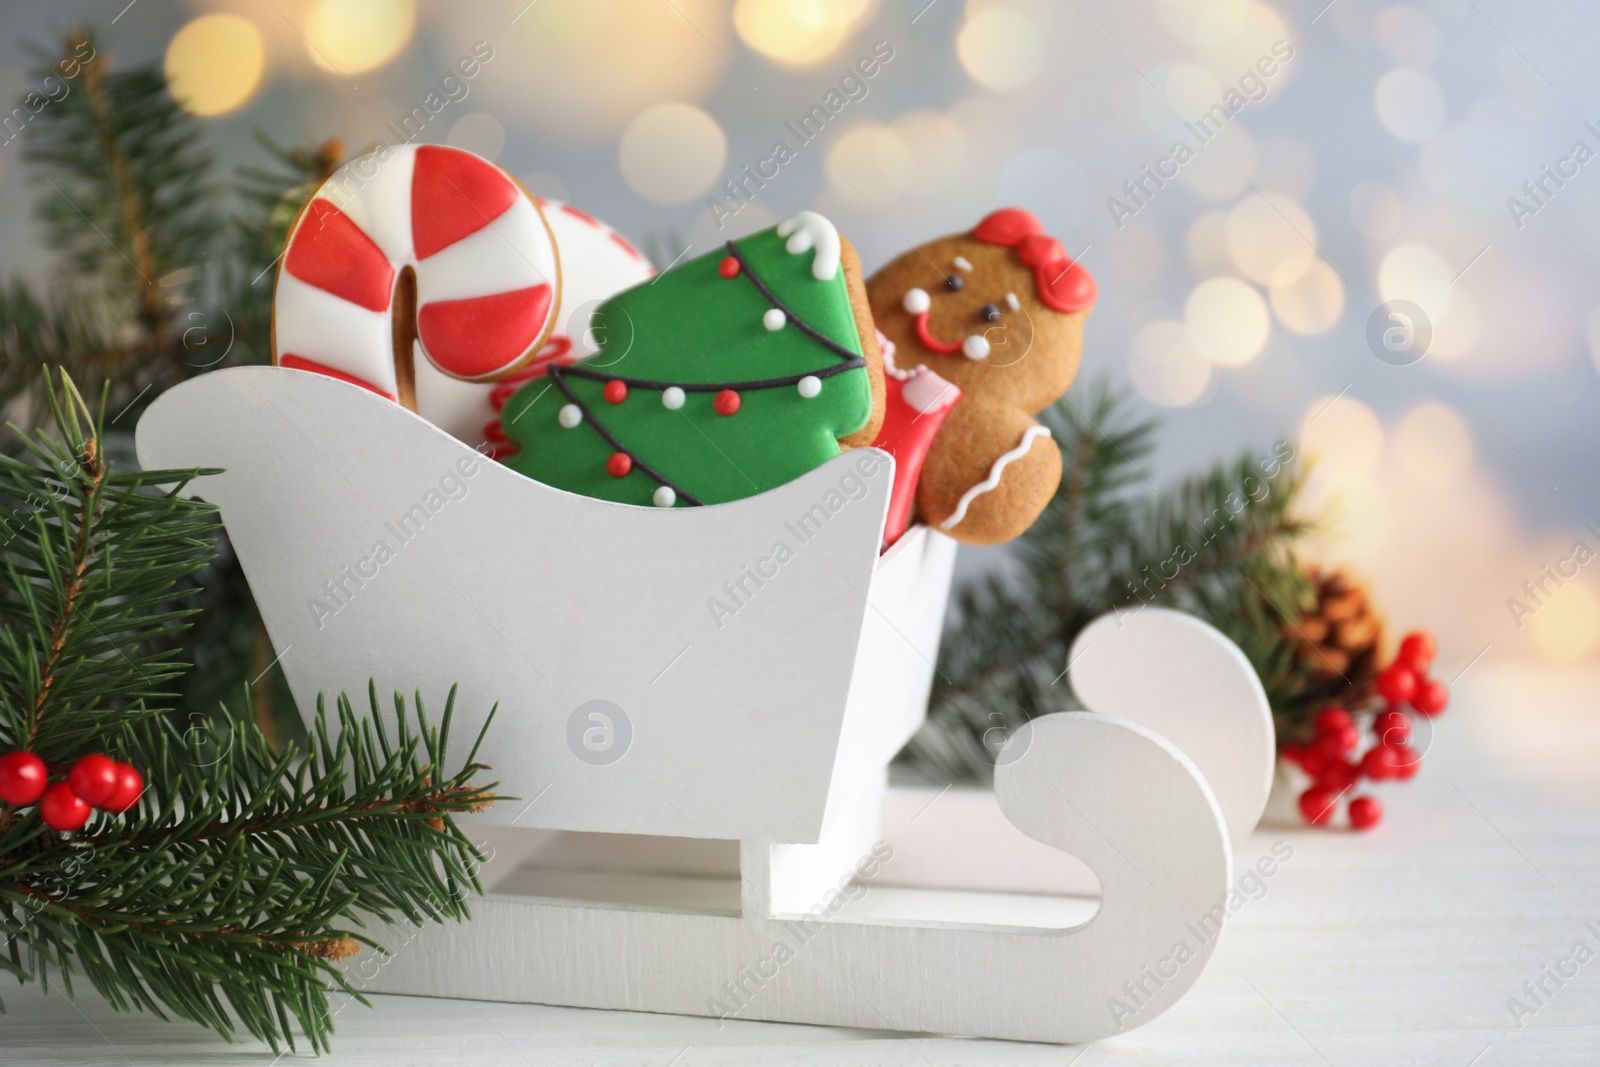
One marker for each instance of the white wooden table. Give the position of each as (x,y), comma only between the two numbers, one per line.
(1397,947)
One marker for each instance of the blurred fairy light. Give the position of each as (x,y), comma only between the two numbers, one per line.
(1166,368)
(1271,239)
(672,153)
(796,33)
(478,132)
(1227,320)
(1433,445)
(1203,22)
(1000,47)
(1342,436)
(1566,628)
(1375,209)
(584,70)
(1410,104)
(871,161)
(1312,303)
(1226,166)
(353,36)
(1206,244)
(214,64)
(1419,274)
(1407,35)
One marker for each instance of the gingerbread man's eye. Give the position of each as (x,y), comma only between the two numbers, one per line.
(954,282)
(989,313)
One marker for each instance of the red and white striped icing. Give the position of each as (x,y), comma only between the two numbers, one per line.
(597,262)
(488,284)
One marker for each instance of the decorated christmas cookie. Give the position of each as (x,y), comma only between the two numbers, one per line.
(417,255)
(596,262)
(727,375)
(998,312)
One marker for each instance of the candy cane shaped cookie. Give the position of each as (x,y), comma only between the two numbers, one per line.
(417,249)
(596,262)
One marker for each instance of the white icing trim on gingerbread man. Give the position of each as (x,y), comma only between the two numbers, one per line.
(995,473)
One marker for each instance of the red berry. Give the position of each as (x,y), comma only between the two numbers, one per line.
(94,779)
(726,402)
(729,267)
(1365,813)
(130,786)
(1431,698)
(1332,720)
(1317,803)
(1392,727)
(1314,759)
(62,809)
(1397,684)
(619,464)
(1378,763)
(1339,775)
(1404,762)
(23,778)
(615,392)
(1341,741)
(1417,651)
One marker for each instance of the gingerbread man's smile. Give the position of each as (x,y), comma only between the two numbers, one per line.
(917,302)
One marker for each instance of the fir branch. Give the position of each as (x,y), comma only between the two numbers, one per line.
(1216,542)
(229,894)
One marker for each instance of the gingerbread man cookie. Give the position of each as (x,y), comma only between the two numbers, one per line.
(999,313)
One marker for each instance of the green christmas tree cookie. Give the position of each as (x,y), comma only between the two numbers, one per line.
(723,377)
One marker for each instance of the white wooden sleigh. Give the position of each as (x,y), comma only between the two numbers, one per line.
(759,733)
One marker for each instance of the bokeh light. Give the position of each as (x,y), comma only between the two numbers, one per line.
(1342,435)
(1224,165)
(1375,209)
(1311,303)
(1227,320)
(1001,48)
(583,71)
(1433,444)
(672,153)
(1407,35)
(1206,245)
(1191,89)
(1166,367)
(353,36)
(214,64)
(479,132)
(1271,239)
(1410,104)
(871,161)
(1419,274)
(1566,628)
(796,33)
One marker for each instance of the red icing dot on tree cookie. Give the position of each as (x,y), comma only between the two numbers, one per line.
(729,267)
(454,194)
(615,392)
(619,464)
(726,402)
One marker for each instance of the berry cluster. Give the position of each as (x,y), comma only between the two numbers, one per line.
(95,781)
(1332,762)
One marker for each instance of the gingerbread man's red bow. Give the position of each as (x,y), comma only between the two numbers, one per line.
(1061,282)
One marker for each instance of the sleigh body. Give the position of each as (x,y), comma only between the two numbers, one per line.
(737,677)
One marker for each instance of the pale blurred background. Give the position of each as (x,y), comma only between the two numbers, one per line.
(1377,166)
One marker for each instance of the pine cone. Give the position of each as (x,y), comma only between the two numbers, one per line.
(1338,641)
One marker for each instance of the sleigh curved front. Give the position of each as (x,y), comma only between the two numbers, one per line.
(681,671)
